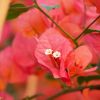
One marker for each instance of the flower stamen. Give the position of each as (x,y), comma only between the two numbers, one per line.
(56,54)
(48,51)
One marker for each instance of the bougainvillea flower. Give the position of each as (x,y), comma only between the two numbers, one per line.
(78,21)
(38,22)
(51,54)
(64,7)
(5,96)
(93,41)
(23,50)
(31,26)
(78,60)
(8,68)
(68,25)
(56,11)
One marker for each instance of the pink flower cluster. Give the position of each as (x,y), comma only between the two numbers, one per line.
(38,42)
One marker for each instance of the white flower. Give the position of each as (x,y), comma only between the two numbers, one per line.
(48,51)
(56,54)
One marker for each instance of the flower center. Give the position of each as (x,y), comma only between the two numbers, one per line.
(54,56)
(48,51)
(75,70)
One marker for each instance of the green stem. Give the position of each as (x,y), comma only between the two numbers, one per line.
(28,7)
(38,7)
(92,87)
(32,97)
(83,32)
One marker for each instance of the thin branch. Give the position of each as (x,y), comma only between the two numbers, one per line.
(26,7)
(83,32)
(32,97)
(92,87)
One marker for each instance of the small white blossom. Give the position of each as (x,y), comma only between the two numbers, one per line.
(56,54)
(48,51)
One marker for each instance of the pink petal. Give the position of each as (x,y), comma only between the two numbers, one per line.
(8,68)
(78,60)
(31,26)
(91,69)
(83,56)
(52,39)
(67,24)
(93,41)
(23,51)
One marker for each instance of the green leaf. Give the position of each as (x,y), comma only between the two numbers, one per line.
(10,89)
(50,7)
(91,30)
(83,79)
(7,42)
(16,9)
(49,76)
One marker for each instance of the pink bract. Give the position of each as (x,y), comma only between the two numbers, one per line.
(52,39)
(31,26)
(72,61)
(78,60)
(93,41)
(8,68)
(23,52)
